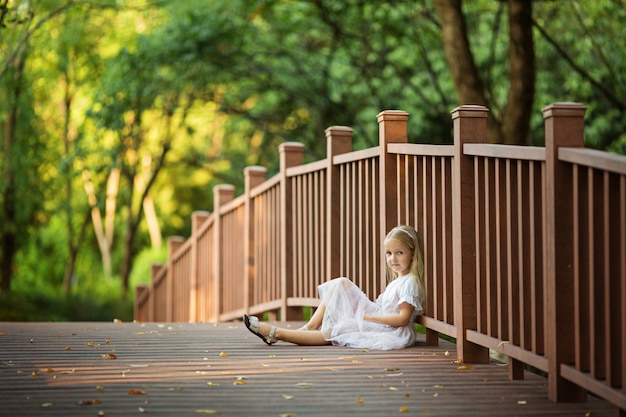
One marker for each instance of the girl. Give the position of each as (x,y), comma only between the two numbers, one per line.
(346,317)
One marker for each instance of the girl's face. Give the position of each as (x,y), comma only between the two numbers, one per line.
(399,257)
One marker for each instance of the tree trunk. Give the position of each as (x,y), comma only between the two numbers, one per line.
(516,122)
(9,228)
(468,83)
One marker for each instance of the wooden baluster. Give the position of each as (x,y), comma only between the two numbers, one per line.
(254,176)
(222,194)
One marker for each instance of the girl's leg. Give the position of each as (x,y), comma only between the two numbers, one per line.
(315,322)
(299,337)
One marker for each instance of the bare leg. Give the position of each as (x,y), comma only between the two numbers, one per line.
(299,337)
(315,322)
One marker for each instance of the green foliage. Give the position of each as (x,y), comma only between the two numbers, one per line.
(219,85)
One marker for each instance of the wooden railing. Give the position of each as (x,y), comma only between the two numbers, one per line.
(524,247)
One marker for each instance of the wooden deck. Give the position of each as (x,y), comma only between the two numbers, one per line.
(131,369)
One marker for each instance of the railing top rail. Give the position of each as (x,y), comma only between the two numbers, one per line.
(526,153)
(233,204)
(307,168)
(420,149)
(356,155)
(260,189)
(594,159)
(205,226)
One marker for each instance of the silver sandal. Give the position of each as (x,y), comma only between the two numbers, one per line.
(252,323)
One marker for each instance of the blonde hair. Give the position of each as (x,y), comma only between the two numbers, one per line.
(408,237)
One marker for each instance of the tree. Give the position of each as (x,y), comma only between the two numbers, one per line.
(511,124)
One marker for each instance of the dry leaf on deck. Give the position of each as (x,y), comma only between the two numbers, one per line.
(136,392)
(465,368)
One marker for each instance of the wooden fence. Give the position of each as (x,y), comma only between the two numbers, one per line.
(524,247)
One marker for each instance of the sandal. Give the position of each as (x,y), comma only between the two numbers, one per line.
(252,323)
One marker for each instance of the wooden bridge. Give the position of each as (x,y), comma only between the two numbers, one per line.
(525,247)
(195,369)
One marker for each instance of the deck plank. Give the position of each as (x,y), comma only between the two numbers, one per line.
(50,369)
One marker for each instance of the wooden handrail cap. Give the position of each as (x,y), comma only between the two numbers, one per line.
(390,115)
(469,110)
(565,109)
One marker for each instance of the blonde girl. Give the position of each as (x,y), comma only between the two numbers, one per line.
(347,317)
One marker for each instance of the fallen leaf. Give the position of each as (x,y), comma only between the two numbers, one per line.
(100,388)
(223,354)
(437,386)
(176,389)
(34,373)
(108,341)
(287,415)
(391,369)
(49,370)
(465,368)
(436,394)
(407,395)
(101,413)
(521,402)
(398,374)
(89,402)
(359,400)
(109,356)
(2,334)
(369,377)
(304,385)
(213,384)
(288,397)
(272,356)
(136,392)
(141,410)
(201,411)
(404,409)
(47,405)
(447,353)
(68,348)
(32,341)
(393,389)
(346,357)
(239,382)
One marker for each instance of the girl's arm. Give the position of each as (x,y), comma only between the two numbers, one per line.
(396,320)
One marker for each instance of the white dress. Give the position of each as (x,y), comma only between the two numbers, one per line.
(346,304)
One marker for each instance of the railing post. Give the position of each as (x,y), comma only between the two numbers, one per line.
(197,219)
(140,314)
(222,194)
(392,128)
(155,269)
(291,154)
(564,127)
(338,141)
(470,126)
(253,175)
(173,243)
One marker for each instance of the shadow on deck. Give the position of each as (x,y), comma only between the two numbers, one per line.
(132,369)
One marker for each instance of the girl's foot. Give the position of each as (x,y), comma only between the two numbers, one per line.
(252,323)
